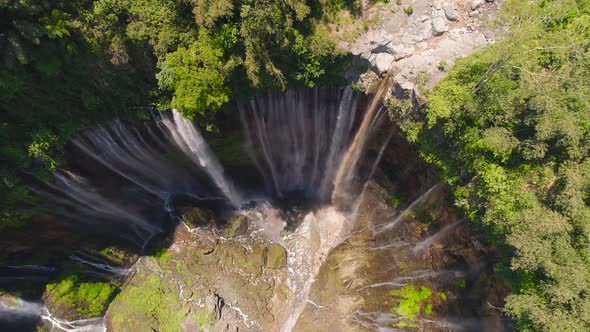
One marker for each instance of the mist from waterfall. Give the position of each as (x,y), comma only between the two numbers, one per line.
(141,161)
(310,143)
(291,138)
(301,140)
(305,143)
(74,197)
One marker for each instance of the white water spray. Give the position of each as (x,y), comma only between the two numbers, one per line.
(297,138)
(13,308)
(390,225)
(184,133)
(95,324)
(126,153)
(308,247)
(82,202)
(426,243)
(106,269)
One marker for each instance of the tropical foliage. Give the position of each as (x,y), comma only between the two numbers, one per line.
(509,129)
(71,64)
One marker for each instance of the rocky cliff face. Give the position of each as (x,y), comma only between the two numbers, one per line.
(409,262)
(240,280)
(417,41)
(206,281)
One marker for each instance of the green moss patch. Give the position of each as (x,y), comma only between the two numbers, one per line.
(413,302)
(153,298)
(73,299)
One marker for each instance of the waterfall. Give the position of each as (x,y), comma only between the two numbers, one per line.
(297,138)
(348,167)
(126,153)
(184,133)
(145,163)
(105,270)
(426,243)
(345,118)
(96,324)
(77,199)
(304,143)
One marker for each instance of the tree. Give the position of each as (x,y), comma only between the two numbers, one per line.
(196,75)
(509,129)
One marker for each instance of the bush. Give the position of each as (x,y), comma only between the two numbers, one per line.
(506,128)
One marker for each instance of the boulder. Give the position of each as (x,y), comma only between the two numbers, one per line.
(378,37)
(275,257)
(475,4)
(423,31)
(380,62)
(403,89)
(401,51)
(206,242)
(439,26)
(451,13)
(236,226)
(197,217)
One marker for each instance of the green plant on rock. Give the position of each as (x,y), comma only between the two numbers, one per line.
(163,254)
(152,302)
(411,301)
(89,299)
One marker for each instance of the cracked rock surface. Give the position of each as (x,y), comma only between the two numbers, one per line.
(418,49)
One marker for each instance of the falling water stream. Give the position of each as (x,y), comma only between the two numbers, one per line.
(306,144)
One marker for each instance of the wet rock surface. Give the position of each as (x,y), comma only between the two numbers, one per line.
(239,285)
(390,249)
(246,282)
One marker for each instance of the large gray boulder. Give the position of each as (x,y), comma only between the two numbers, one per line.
(439,26)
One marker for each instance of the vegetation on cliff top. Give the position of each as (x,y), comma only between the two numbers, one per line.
(510,130)
(71,64)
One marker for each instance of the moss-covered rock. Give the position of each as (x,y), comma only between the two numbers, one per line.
(197,217)
(275,256)
(236,226)
(181,289)
(149,303)
(71,299)
(249,261)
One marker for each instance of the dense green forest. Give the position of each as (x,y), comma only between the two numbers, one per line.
(71,64)
(510,130)
(509,127)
